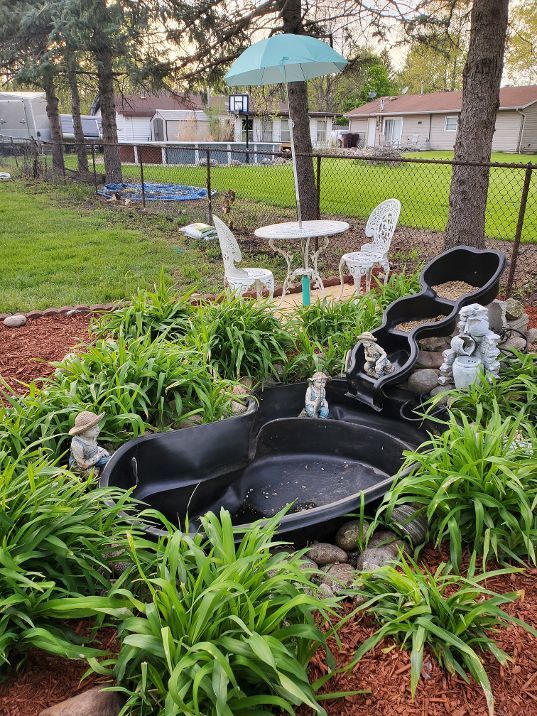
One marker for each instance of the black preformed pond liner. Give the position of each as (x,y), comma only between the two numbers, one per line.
(256,463)
(479,268)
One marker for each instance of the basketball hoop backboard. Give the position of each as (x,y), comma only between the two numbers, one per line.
(238,103)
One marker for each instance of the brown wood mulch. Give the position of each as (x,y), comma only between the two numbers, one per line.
(26,352)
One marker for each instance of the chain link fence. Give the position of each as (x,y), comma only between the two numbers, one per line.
(255,188)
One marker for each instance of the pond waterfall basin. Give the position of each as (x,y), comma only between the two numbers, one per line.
(257,463)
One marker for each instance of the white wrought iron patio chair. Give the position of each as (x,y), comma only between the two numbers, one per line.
(380,228)
(239,279)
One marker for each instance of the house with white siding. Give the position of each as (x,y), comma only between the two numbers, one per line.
(166,117)
(429,121)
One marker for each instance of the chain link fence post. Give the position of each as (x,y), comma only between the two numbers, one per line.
(95,183)
(318,177)
(141,164)
(209,196)
(519,226)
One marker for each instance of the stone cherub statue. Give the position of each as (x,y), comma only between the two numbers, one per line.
(475,347)
(316,405)
(376,360)
(85,452)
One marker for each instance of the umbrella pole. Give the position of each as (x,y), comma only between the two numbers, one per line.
(293,155)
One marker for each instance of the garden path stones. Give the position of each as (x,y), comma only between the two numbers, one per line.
(423,380)
(324,553)
(94,702)
(15,321)
(348,535)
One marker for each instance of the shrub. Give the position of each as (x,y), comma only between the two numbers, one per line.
(226,629)
(477,485)
(55,540)
(241,338)
(439,610)
(140,385)
(149,313)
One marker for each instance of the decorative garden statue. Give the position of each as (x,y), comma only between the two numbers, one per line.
(316,405)
(85,452)
(376,360)
(474,348)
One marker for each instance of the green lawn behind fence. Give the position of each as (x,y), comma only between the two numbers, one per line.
(352,188)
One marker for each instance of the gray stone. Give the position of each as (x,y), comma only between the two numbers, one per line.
(387,540)
(497,319)
(325,591)
(374,557)
(94,702)
(434,343)
(515,342)
(513,309)
(443,389)
(519,324)
(429,359)
(323,553)
(416,529)
(532,336)
(338,577)
(423,380)
(195,419)
(348,535)
(15,321)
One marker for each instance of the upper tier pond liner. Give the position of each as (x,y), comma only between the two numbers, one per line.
(45,680)
(153,191)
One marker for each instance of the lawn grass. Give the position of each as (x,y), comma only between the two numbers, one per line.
(352,188)
(57,249)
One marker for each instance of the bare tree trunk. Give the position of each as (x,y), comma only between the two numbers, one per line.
(298,107)
(58,165)
(480,102)
(112,161)
(77,122)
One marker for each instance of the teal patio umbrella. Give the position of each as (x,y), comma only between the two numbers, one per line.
(282,59)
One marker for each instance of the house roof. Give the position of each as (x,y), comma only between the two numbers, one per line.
(441,102)
(21,95)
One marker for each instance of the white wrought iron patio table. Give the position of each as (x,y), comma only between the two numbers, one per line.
(304,232)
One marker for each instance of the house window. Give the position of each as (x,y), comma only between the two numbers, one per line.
(321,131)
(285,134)
(452,123)
(250,122)
(266,129)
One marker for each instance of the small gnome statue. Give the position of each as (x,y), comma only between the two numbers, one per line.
(316,405)
(86,454)
(376,360)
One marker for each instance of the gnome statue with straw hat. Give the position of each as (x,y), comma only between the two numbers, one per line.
(376,361)
(85,452)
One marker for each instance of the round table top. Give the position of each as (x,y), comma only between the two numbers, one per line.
(308,230)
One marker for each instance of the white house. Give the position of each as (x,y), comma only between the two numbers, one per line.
(171,118)
(429,121)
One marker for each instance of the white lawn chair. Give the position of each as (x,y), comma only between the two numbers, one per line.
(380,228)
(238,279)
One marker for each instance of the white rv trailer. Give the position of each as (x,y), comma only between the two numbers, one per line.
(23,115)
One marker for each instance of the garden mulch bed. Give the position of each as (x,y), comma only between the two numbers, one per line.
(26,352)
(45,680)
(385,671)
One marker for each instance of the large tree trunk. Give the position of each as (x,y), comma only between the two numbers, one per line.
(298,108)
(55,125)
(112,161)
(480,102)
(77,122)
